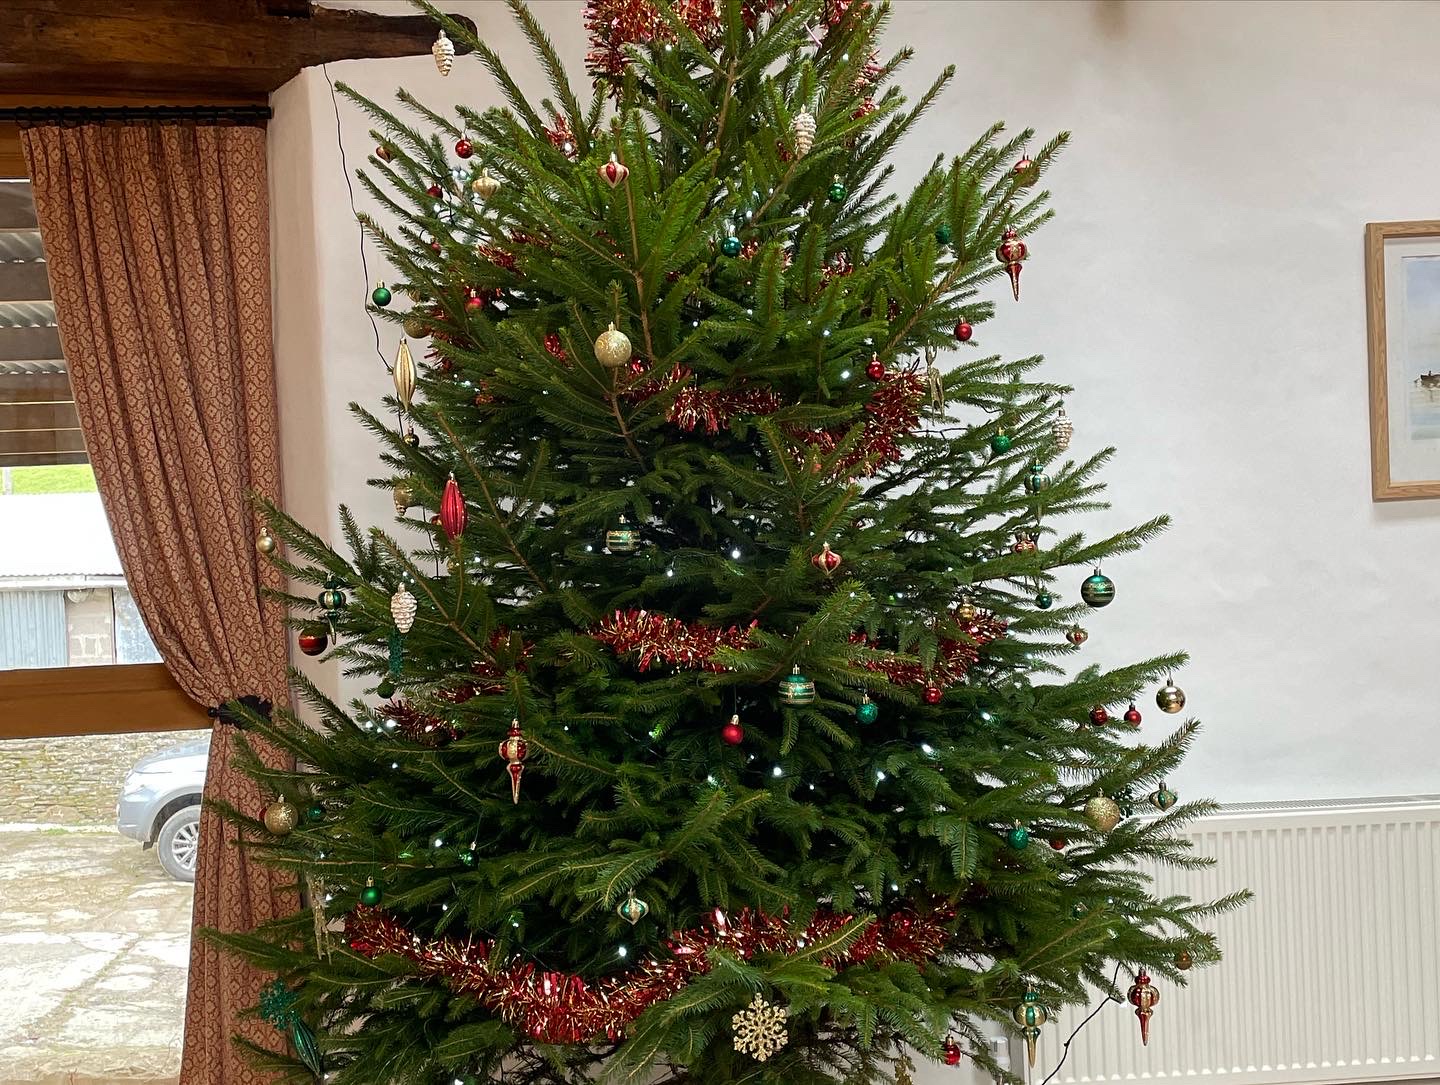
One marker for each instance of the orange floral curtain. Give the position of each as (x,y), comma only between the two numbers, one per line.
(157,241)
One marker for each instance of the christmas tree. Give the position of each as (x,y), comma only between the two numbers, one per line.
(730,716)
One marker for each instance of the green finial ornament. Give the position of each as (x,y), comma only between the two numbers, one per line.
(1037,480)
(1030,1015)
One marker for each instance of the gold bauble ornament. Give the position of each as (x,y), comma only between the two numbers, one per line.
(966,611)
(265,542)
(485,186)
(414,328)
(1170,697)
(1103,812)
(280,817)
(613,349)
(404,498)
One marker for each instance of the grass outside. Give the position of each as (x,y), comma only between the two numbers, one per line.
(70,478)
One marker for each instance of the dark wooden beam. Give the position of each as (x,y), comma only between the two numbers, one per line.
(204,50)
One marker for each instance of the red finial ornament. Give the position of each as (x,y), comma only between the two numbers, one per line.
(827,561)
(513,749)
(951,1052)
(1011,251)
(1143,996)
(452,510)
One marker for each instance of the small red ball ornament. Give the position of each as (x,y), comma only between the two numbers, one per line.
(1059,843)
(951,1052)
(464,148)
(433,192)
(876,369)
(313,641)
(963,331)
(474,301)
(1132,715)
(827,561)
(1098,715)
(1010,252)
(1025,171)
(932,694)
(732,732)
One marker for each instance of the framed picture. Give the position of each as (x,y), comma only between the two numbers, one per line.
(1402,292)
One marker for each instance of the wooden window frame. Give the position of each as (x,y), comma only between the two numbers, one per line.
(113,699)
(104,699)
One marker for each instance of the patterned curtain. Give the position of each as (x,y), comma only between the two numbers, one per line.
(157,240)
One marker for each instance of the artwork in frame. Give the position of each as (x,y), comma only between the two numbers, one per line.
(1402,289)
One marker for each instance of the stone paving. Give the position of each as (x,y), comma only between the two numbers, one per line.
(94,937)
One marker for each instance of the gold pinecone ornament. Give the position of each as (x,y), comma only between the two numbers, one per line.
(760,1029)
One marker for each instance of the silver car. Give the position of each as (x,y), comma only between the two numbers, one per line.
(160,805)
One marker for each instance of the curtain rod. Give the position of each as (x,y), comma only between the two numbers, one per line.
(203,114)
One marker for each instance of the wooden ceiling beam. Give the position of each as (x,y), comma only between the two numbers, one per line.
(150,48)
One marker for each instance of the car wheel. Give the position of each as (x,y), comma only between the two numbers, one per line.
(178,843)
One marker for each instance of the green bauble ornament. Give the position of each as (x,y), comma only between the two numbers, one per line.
(730,246)
(943,234)
(1000,443)
(837,192)
(381,296)
(386,689)
(1018,838)
(1037,479)
(867,711)
(370,895)
(632,909)
(796,689)
(622,539)
(1163,798)
(1044,600)
(467,857)
(1098,590)
(316,812)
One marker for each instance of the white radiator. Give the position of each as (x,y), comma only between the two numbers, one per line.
(1332,973)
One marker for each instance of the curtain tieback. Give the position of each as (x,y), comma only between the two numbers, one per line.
(237,712)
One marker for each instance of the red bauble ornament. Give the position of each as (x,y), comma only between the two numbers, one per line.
(875,370)
(452,510)
(1059,843)
(513,749)
(313,641)
(932,694)
(384,153)
(1010,252)
(1024,170)
(732,732)
(614,172)
(827,561)
(1098,715)
(1132,715)
(963,332)
(433,192)
(464,148)
(951,1052)
(474,301)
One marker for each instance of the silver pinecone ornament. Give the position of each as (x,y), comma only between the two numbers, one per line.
(444,53)
(803,131)
(1062,429)
(402,609)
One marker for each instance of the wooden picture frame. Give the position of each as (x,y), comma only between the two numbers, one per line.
(1402,303)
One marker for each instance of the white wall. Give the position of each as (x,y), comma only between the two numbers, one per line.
(1202,287)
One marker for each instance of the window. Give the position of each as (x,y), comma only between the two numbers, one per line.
(99,785)
(63,600)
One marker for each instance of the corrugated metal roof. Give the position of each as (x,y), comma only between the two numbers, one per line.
(54,535)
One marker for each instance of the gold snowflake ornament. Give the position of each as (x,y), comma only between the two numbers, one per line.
(760,1029)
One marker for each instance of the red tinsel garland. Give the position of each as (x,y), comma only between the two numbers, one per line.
(614,24)
(953,658)
(669,640)
(417,726)
(558,1007)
